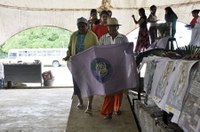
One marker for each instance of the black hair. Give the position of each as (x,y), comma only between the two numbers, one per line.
(153,6)
(196,11)
(93,11)
(170,12)
(142,11)
(104,12)
(109,12)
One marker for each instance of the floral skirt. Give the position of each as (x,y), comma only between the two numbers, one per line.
(143,40)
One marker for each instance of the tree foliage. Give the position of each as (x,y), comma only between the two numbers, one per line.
(39,37)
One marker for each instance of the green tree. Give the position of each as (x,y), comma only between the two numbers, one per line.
(38,37)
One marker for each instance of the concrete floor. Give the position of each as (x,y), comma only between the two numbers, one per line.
(34,110)
(53,110)
(79,121)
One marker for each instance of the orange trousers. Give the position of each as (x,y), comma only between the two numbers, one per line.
(111,103)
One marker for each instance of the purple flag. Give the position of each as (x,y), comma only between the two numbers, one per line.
(105,69)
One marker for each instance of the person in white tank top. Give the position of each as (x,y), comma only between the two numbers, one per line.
(152,19)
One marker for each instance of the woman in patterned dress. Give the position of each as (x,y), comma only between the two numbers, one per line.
(143,36)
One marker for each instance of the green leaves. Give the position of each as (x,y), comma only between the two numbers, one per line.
(188,51)
(39,37)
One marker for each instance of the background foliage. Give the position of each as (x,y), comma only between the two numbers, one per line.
(39,37)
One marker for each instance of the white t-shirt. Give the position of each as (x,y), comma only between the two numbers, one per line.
(153,20)
(195,37)
(1,71)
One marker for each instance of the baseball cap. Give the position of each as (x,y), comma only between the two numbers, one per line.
(83,20)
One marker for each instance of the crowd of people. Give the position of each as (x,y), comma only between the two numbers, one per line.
(104,31)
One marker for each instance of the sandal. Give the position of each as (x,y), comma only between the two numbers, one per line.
(108,117)
(117,112)
(88,111)
(79,106)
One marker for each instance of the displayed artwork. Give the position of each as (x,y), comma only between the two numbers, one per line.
(160,91)
(161,78)
(174,86)
(178,88)
(189,119)
(150,68)
(148,78)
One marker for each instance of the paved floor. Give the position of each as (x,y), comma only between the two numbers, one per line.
(53,110)
(79,121)
(34,110)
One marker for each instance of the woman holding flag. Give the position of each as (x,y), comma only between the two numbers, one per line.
(79,41)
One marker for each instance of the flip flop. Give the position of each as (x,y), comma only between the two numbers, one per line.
(79,106)
(88,111)
(108,117)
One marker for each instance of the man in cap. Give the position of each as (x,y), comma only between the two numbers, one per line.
(79,41)
(112,102)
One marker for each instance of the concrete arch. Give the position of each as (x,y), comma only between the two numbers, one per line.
(19,31)
(22,14)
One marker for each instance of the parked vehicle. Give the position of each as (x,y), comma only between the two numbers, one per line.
(51,56)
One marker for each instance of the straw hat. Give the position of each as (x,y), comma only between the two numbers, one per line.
(113,22)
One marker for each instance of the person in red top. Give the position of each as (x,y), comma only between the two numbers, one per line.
(195,14)
(101,29)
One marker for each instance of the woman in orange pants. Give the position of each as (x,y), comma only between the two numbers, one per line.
(112,105)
